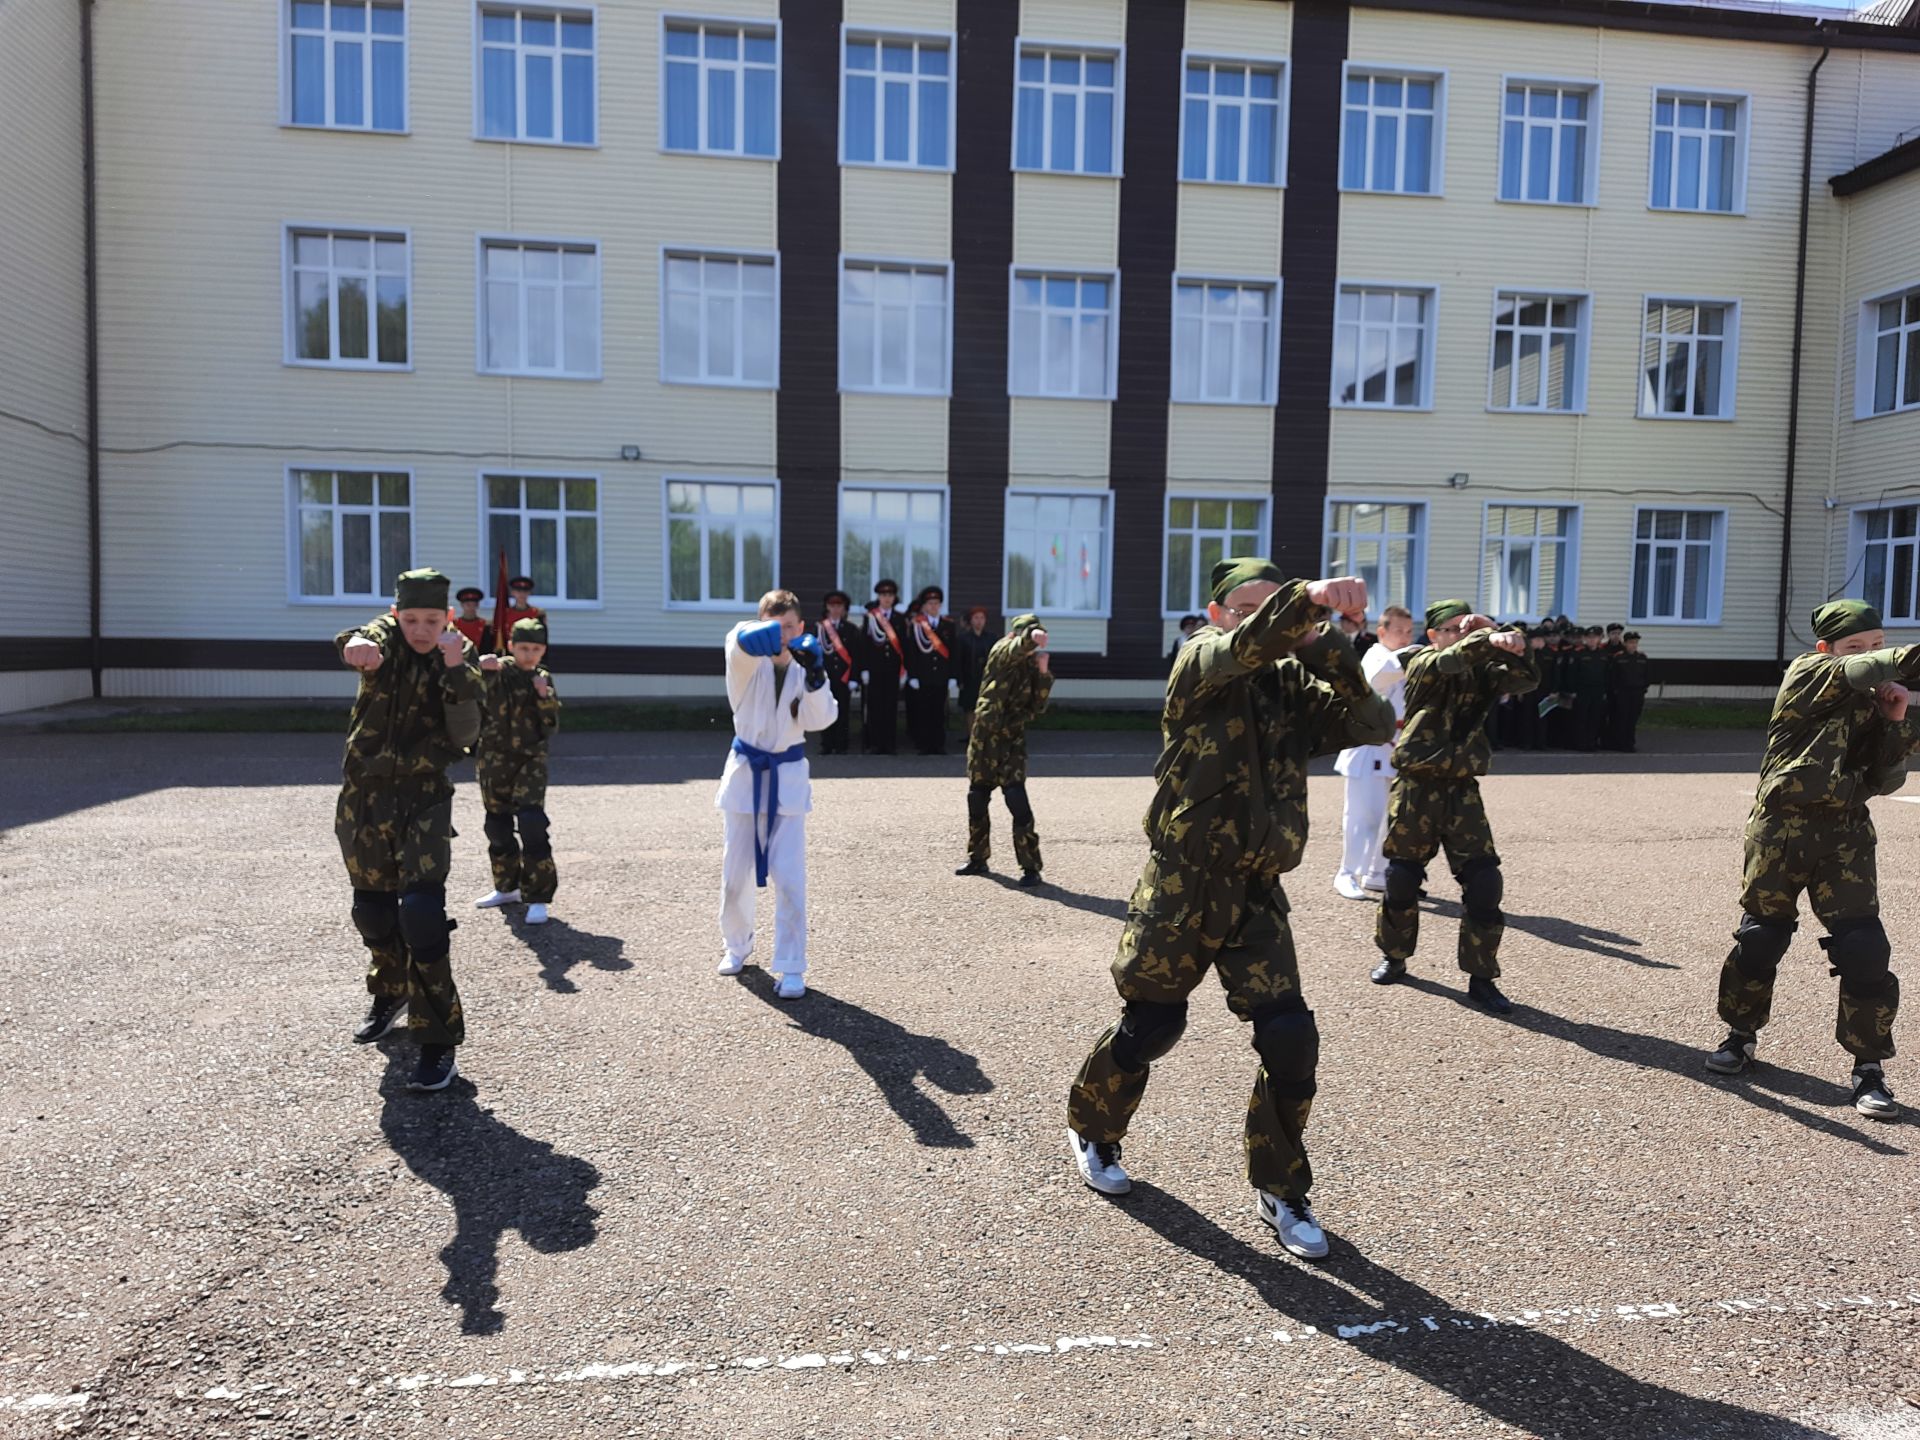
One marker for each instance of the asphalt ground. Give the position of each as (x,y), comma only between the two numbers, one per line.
(663,1203)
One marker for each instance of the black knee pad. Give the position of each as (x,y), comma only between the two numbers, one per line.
(1403,883)
(1020,810)
(1858,952)
(1288,1043)
(1148,1029)
(376,915)
(1758,945)
(1481,886)
(533,831)
(423,920)
(499,830)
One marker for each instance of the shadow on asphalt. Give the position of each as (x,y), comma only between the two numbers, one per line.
(892,1055)
(1526,1378)
(1568,934)
(561,947)
(1106,905)
(496,1179)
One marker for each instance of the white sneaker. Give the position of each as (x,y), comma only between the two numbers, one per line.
(790,987)
(732,964)
(536,914)
(1872,1096)
(1293,1221)
(1099,1164)
(1349,888)
(494,899)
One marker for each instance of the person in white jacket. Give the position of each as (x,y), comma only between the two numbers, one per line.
(777,685)
(1369,768)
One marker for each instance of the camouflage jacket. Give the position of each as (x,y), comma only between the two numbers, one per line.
(412,717)
(514,720)
(1828,747)
(1246,709)
(1013,690)
(1447,695)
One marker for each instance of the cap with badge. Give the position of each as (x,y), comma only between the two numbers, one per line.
(520,582)
(470,592)
(421,590)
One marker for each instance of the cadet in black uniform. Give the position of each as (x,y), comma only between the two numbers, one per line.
(883,659)
(837,640)
(928,637)
(1629,694)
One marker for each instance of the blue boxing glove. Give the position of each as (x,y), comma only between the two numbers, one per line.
(761,641)
(806,649)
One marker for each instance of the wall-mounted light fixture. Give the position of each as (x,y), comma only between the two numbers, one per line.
(1458,481)
(629,452)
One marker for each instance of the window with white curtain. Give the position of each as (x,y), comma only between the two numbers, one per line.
(1056,548)
(1224,341)
(1677,562)
(893,327)
(537,75)
(1548,142)
(1539,352)
(892,534)
(722,88)
(1529,554)
(1201,531)
(1384,543)
(1890,355)
(349,295)
(896,104)
(721,321)
(1698,152)
(1688,356)
(1063,337)
(540,309)
(1887,539)
(722,542)
(1389,133)
(1066,114)
(1383,347)
(347,64)
(353,532)
(1231,122)
(548,527)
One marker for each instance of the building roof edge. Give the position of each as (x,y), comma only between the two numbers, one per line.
(1658,17)
(1889,165)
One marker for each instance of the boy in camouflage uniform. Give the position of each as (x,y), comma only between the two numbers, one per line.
(520,712)
(1252,696)
(417,711)
(1443,750)
(1839,736)
(1014,686)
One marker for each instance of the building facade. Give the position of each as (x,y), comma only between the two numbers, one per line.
(1050,302)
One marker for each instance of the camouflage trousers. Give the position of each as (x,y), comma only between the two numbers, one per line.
(513,790)
(1832,859)
(1026,836)
(397,842)
(1183,921)
(1424,817)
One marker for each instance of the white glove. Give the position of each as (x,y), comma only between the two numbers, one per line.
(853,687)
(864,677)
(914,684)
(953,688)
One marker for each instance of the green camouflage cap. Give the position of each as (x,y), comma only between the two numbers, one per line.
(1838,619)
(421,590)
(1234,571)
(1022,624)
(1441,611)
(528,632)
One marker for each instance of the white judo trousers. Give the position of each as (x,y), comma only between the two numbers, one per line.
(1369,772)
(762,697)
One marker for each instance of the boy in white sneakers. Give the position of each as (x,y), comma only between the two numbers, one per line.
(519,714)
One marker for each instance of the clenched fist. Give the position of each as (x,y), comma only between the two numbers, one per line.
(452,648)
(1891,701)
(1346,594)
(1511,641)
(542,686)
(1474,622)
(489,663)
(363,655)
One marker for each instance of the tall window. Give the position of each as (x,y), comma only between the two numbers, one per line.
(1066,111)
(1697,144)
(1223,341)
(1547,143)
(1528,559)
(1384,543)
(347,64)
(536,75)
(1889,540)
(349,298)
(722,320)
(1231,123)
(1200,533)
(1063,336)
(1383,348)
(1890,369)
(722,88)
(897,101)
(353,532)
(1687,359)
(1538,362)
(893,328)
(892,535)
(1676,565)
(1057,552)
(720,542)
(1389,139)
(549,528)
(541,305)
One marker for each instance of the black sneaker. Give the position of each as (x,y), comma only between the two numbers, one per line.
(386,1014)
(1872,1096)
(1485,993)
(1029,879)
(1388,971)
(972,867)
(1734,1055)
(435,1070)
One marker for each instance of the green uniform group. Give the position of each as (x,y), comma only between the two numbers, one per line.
(511,765)
(1013,690)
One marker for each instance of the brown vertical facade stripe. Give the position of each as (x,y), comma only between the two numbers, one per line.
(978,426)
(807,431)
(1309,267)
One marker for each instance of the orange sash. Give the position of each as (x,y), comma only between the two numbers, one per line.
(832,632)
(931,634)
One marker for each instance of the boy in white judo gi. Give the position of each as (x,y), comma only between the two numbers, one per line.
(1369,768)
(777,685)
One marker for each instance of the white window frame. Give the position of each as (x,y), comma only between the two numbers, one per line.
(290,230)
(710,252)
(1866,354)
(762,26)
(1270,390)
(1742,146)
(1417,547)
(405,40)
(291,490)
(1716,562)
(1389,70)
(1428,350)
(1065,272)
(1571,568)
(538,242)
(489,563)
(1729,358)
(1085,50)
(880,486)
(1590,191)
(1583,349)
(1177,491)
(728,607)
(1279,63)
(1857,543)
(561,10)
(888,262)
(849,34)
(1105,610)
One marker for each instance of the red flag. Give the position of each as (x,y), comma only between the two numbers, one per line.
(500,607)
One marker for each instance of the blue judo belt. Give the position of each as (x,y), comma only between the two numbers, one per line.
(765,763)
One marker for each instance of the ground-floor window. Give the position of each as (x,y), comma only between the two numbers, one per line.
(1202,530)
(353,532)
(892,534)
(1527,560)
(1889,566)
(721,541)
(548,527)
(1384,543)
(1677,566)
(1056,552)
